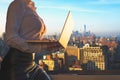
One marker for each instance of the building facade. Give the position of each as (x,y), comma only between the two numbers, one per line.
(92,58)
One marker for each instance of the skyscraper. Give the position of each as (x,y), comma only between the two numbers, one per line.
(84,28)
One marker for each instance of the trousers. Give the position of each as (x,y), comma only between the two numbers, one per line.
(18,65)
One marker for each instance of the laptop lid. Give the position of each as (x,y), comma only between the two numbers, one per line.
(66,31)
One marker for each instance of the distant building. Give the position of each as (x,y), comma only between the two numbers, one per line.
(92,58)
(55,61)
(118,37)
(72,54)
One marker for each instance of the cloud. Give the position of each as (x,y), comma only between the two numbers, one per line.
(74,6)
(76,9)
(105,2)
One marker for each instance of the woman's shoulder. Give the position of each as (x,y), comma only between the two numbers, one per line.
(16,4)
(16,7)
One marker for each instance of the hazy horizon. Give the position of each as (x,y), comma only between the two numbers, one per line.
(100,16)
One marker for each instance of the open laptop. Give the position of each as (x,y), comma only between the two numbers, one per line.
(65,34)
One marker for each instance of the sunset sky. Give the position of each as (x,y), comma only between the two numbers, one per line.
(100,16)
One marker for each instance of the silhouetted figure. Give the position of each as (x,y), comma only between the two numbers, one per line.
(43,66)
(56,63)
(76,64)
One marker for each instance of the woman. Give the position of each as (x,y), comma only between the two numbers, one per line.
(23,23)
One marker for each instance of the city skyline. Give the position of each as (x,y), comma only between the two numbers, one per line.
(100,16)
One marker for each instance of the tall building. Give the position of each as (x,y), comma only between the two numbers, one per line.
(92,58)
(84,28)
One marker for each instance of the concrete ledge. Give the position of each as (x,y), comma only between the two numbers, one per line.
(90,72)
(84,77)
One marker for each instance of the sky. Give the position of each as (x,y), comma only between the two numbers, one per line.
(100,16)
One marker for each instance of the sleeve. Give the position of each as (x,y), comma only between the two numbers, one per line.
(14,19)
